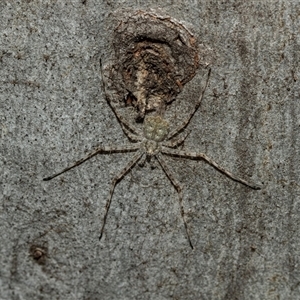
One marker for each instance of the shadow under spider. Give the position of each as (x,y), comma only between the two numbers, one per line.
(155,140)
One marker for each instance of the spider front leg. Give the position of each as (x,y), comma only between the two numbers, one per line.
(194,155)
(131,136)
(188,119)
(117,179)
(174,143)
(131,132)
(178,188)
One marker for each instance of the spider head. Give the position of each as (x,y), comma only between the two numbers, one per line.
(155,128)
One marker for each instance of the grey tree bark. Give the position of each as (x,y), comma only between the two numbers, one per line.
(53,112)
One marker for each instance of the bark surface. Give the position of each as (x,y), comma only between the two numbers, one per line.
(53,112)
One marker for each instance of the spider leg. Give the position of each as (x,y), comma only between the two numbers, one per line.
(194,155)
(126,126)
(188,119)
(132,137)
(102,150)
(119,177)
(178,188)
(142,161)
(174,143)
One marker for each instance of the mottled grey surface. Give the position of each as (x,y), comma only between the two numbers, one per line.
(52,112)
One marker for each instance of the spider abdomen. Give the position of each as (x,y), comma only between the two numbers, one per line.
(155,128)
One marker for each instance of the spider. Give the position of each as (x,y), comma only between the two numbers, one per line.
(154,141)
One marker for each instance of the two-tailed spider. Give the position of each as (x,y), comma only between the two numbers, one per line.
(155,140)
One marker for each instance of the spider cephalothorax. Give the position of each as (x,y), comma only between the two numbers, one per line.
(155,140)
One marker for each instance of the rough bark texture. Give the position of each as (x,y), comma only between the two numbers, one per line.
(53,111)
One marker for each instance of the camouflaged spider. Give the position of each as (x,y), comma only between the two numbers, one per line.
(155,141)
